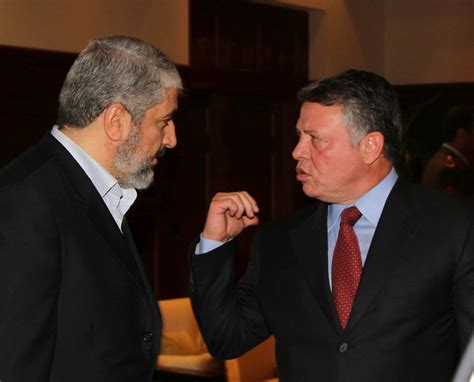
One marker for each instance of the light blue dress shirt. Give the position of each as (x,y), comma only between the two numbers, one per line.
(117,199)
(370,205)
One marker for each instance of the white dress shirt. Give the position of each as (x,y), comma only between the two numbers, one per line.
(465,371)
(117,199)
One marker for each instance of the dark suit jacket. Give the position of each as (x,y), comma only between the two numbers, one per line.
(74,301)
(412,315)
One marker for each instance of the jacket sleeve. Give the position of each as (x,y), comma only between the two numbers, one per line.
(227,312)
(29,284)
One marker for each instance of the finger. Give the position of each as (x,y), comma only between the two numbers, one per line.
(237,203)
(233,208)
(252,204)
(227,205)
(246,204)
(250,221)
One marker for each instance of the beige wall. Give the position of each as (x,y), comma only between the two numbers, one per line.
(408,41)
(67,25)
(341,38)
(429,41)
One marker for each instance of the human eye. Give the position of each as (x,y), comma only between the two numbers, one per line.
(317,141)
(162,124)
(312,135)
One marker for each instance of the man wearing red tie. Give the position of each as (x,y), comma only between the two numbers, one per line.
(375,283)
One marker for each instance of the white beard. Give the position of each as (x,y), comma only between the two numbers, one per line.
(135,173)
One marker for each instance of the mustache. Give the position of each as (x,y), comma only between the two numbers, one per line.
(161,153)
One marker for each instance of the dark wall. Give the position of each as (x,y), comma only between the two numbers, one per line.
(30,83)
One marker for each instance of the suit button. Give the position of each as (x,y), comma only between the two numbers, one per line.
(343,347)
(147,336)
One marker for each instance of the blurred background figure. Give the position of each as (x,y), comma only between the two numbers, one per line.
(450,168)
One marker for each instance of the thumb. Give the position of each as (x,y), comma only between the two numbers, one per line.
(250,221)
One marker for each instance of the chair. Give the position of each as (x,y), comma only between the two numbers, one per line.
(183,350)
(257,365)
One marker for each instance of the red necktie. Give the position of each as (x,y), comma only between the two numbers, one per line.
(346,265)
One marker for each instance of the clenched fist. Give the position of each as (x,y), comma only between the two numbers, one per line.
(229,213)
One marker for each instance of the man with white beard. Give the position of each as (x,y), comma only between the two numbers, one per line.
(75,304)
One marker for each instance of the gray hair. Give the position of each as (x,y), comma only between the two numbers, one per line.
(369,103)
(115,69)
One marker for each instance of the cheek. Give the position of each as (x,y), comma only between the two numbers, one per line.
(322,162)
(333,164)
(154,139)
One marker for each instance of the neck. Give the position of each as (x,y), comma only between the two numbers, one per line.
(375,174)
(90,140)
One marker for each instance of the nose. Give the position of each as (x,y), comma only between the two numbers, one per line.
(170,139)
(299,150)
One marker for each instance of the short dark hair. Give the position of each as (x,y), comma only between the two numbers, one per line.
(458,117)
(369,103)
(113,69)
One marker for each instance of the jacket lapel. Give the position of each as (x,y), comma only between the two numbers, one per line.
(136,256)
(309,241)
(392,235)
(95,210)
(105,225)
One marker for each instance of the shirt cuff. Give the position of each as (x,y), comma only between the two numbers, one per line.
(206,245)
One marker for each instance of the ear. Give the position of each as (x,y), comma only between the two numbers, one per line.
(371,146)
(117,122)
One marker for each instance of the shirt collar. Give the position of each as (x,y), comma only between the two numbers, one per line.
(370,204)
(103,181)
(99,176)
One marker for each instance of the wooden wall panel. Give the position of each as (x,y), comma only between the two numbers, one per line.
(249,37)
(30,83)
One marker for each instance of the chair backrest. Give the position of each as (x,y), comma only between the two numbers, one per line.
(257,365)
(177,315)
(183,351)
(181,334)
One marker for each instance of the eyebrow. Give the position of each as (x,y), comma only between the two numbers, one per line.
(305,131)
(167,116)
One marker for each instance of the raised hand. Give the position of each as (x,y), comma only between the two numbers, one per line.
(229,213)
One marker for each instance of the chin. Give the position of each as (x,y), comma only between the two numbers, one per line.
(314,194)
(310,194)
(140,179)
(143,184)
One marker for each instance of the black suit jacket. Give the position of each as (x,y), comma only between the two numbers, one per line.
(412,315)
(75,304)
